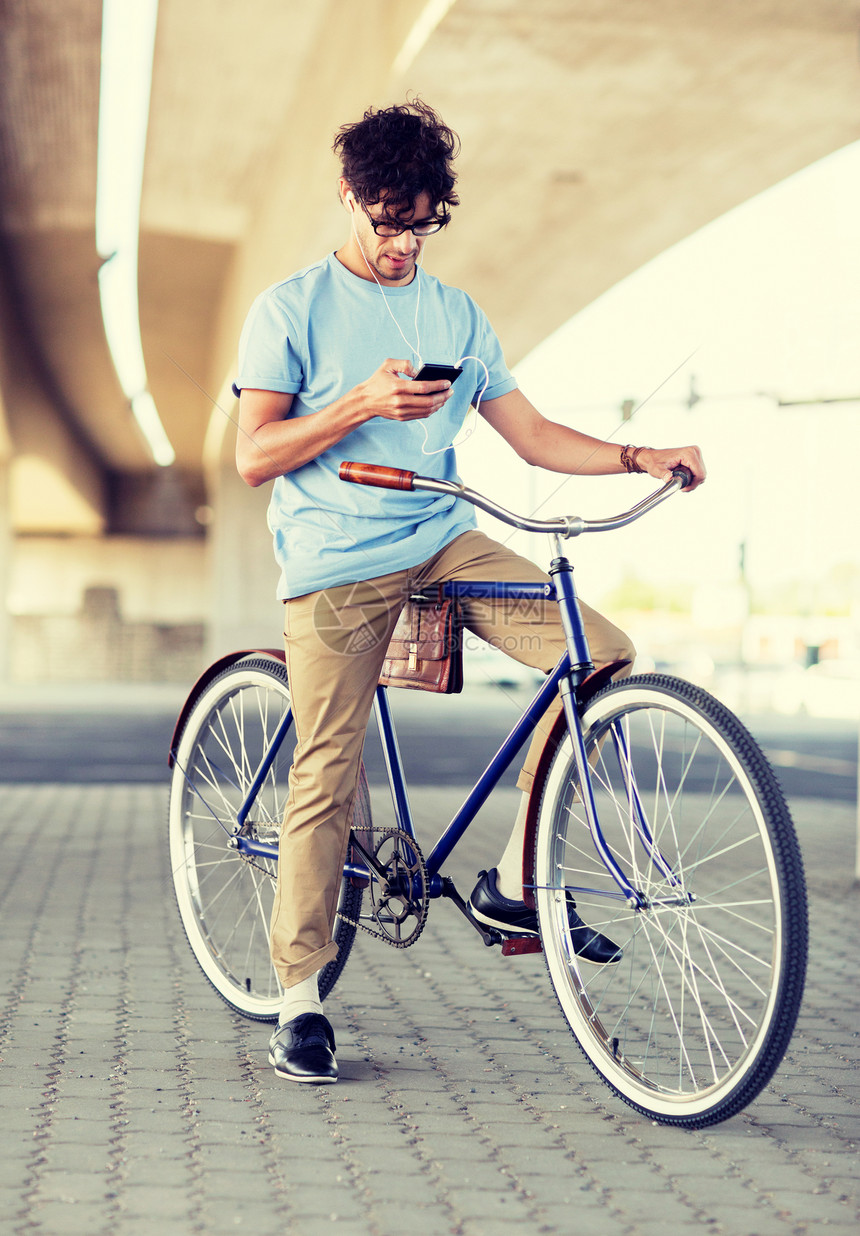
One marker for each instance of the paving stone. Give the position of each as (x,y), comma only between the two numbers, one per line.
(160,1204)
(58,1184)
(500,1120)
(565,1220)
(80,1219)
(11,1201)
(406,1190)
(155,1172)
(225,1158)
(295,1151)
(77,1156)
(713,1191)
(256,1186)
(480,1174)
(489,1204)
(323,1198)
(344,1225)
(680,1163)
(18,1119)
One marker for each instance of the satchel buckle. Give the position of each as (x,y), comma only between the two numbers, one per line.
(413,658)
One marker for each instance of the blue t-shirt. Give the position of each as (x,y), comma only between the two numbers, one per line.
(317,335)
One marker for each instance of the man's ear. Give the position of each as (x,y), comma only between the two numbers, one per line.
(346,195)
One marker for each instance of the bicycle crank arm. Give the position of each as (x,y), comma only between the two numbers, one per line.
(488,934)
(375,866)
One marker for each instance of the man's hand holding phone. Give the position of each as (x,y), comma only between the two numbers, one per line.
(397,393)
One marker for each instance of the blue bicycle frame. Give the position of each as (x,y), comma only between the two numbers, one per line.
(572,669)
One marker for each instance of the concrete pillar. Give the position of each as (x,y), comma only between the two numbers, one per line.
(244,612)
(6,549)
(7,543)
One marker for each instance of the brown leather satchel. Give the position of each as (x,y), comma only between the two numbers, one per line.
(426,649)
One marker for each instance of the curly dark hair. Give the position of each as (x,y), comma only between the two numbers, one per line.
(397,154)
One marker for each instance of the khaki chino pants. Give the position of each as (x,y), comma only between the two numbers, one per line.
(335,644)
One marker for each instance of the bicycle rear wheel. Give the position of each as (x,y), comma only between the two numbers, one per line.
(225,897)
(692,1022)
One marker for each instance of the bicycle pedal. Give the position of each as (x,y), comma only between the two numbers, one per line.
(515,946)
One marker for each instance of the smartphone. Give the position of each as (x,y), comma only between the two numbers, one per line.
(438,373)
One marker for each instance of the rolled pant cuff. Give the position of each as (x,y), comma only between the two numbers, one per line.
(291,973)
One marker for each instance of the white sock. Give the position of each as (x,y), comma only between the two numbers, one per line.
(509,870)
(304,997)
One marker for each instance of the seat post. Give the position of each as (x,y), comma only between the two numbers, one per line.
(561,573)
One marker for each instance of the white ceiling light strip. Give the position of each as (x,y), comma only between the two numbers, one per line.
(428,19)
(128,40)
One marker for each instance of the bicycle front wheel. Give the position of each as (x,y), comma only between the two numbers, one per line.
(691,1023)
(225,896)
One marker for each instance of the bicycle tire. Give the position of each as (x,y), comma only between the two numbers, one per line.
(225,898)
(692,1022)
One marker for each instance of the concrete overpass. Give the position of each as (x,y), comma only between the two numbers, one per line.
(595,134)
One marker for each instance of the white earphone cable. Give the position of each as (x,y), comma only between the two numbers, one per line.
(416,347)
(475,407)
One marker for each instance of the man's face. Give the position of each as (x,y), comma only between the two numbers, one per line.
(391,258)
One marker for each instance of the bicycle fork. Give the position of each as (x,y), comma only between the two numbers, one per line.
(581,665)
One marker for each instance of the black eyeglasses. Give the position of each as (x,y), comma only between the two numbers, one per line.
(388,227)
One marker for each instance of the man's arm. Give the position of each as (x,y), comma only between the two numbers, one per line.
(271,443)
(546,444)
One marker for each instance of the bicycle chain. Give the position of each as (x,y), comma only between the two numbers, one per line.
(250,860)
(417,908)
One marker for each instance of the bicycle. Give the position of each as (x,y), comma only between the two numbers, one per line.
(653,807)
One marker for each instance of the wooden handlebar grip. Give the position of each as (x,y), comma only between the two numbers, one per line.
(375,474)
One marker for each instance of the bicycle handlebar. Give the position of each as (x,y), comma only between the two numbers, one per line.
(375,474)
(563,525)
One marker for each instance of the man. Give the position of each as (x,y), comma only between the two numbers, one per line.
(326,366)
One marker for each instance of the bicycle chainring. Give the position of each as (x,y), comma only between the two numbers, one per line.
(398,892)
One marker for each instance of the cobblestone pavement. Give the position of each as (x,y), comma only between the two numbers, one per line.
(134,1101)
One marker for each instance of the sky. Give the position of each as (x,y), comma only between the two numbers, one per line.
(761,305)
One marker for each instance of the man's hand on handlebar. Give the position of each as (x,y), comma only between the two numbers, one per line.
(659,462)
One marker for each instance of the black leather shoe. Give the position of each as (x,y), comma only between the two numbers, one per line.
(302,1050)
(488,906)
